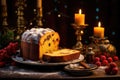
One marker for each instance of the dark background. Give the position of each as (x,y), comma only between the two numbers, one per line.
(108,14)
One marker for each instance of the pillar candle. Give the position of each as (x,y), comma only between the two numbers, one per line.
(39,5)
(80,18)
(99,31)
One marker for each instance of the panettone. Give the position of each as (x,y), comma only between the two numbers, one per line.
(36,41)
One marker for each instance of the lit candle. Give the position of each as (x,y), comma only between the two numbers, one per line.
(80,18)
(99,31)
(39,5)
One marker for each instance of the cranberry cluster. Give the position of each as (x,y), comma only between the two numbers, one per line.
(103,60)
(109,62)
(7,52)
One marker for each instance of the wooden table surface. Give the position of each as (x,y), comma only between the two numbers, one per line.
(23,72)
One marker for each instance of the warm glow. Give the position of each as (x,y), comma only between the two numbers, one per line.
(99,24)
(80,11)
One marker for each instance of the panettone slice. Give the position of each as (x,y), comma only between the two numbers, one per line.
(61,55)
(48,43)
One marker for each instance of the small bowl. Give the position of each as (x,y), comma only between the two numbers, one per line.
(77,70)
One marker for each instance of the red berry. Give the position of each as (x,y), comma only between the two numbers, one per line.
(113,64)
(2,50)
(110,59)
(10,43)
(6,56)
(106,54)
(104,62)
(108,70)
(96,59)
(2,55)
(103,57)
(8,49)
(2,64)
(1,58)
(16,45)
(115,58)
(98,63)
(114,70)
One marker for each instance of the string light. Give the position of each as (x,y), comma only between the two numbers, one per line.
(65,6)
(113,33)
(59,15)
(97,11)
(55,9)
(97,17)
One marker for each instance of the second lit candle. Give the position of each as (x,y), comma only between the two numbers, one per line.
(99,31)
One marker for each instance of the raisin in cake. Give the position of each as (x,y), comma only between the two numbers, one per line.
(36,41)
(61,55)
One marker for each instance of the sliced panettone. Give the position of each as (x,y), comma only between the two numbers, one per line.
(61,55)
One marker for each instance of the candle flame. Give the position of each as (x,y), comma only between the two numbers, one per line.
(80,11)
(99,24)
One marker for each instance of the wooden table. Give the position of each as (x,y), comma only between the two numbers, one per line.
(15,72)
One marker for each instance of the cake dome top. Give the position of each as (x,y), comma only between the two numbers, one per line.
(34,34)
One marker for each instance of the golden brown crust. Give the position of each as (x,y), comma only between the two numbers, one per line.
(34,51)
(25,49)
(29,51)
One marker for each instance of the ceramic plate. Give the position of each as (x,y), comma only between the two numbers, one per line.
(29,62)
